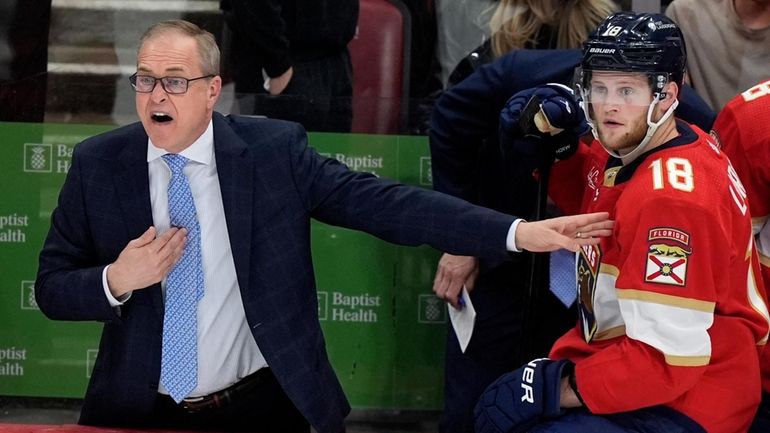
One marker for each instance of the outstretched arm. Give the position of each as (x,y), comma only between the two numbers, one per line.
(568,232)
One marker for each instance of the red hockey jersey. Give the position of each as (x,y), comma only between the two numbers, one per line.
(672,307)
(743,129)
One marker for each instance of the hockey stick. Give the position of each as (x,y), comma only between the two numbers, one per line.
(534,123)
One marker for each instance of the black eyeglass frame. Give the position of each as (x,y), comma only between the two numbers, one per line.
(132,80)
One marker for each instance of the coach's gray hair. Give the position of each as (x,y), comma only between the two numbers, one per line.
(207,45)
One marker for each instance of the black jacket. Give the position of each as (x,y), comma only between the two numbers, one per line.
(274,34)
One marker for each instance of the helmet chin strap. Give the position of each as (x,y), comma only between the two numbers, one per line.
(651,128)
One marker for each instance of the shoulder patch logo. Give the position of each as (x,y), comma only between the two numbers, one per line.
(667,255)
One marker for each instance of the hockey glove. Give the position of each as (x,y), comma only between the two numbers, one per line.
(542,123)
(519,399)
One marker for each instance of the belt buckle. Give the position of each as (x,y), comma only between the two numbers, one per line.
(194,404)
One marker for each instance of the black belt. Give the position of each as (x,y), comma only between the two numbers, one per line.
(225,396)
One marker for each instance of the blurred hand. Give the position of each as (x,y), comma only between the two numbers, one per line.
(568,232)
(279,83)
(145,260)
(452,273)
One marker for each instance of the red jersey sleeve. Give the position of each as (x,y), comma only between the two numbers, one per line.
(743,130)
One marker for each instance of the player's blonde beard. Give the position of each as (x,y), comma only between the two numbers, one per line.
(627,142)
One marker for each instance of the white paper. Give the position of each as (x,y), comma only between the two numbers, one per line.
(463,320)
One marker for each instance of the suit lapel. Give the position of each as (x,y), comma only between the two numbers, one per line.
(236,181)
(132,187)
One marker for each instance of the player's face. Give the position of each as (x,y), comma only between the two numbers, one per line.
(618,106)
(174,121)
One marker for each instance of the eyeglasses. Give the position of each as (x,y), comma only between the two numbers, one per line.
(171,85)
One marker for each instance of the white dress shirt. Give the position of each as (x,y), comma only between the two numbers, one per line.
(227,351)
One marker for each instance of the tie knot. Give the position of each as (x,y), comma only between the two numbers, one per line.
(175,162)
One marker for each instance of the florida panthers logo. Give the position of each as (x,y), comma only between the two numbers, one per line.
(588,263)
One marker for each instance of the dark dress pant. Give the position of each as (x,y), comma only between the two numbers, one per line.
(261,408)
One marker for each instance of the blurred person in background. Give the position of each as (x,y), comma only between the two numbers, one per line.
(290,59)
(24,59)
(728,43)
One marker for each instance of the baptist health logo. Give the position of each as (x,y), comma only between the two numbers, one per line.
(47,158)
(38,158)
(323,305)
(430,309)
(426,171)
(28,296)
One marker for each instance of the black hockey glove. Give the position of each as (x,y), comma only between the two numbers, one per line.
(519,399)
(542,123)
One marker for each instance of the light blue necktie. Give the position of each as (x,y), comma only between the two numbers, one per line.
(184,288)
(563,280)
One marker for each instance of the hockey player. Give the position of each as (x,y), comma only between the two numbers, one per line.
(743,129)
(672,307)
(467,163)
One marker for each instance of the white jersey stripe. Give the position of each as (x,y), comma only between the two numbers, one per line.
(676,331)
(755,298)
(605,303)
(670,300)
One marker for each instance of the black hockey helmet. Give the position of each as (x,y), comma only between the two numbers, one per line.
(631,42)
(627,42)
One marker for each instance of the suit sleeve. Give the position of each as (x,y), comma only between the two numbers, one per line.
(69,283)
(393,212)
(463,117)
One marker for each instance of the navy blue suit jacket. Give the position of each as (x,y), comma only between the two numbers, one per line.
(272,184)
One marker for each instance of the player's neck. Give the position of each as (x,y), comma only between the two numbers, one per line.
(754,14)
(665,133)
